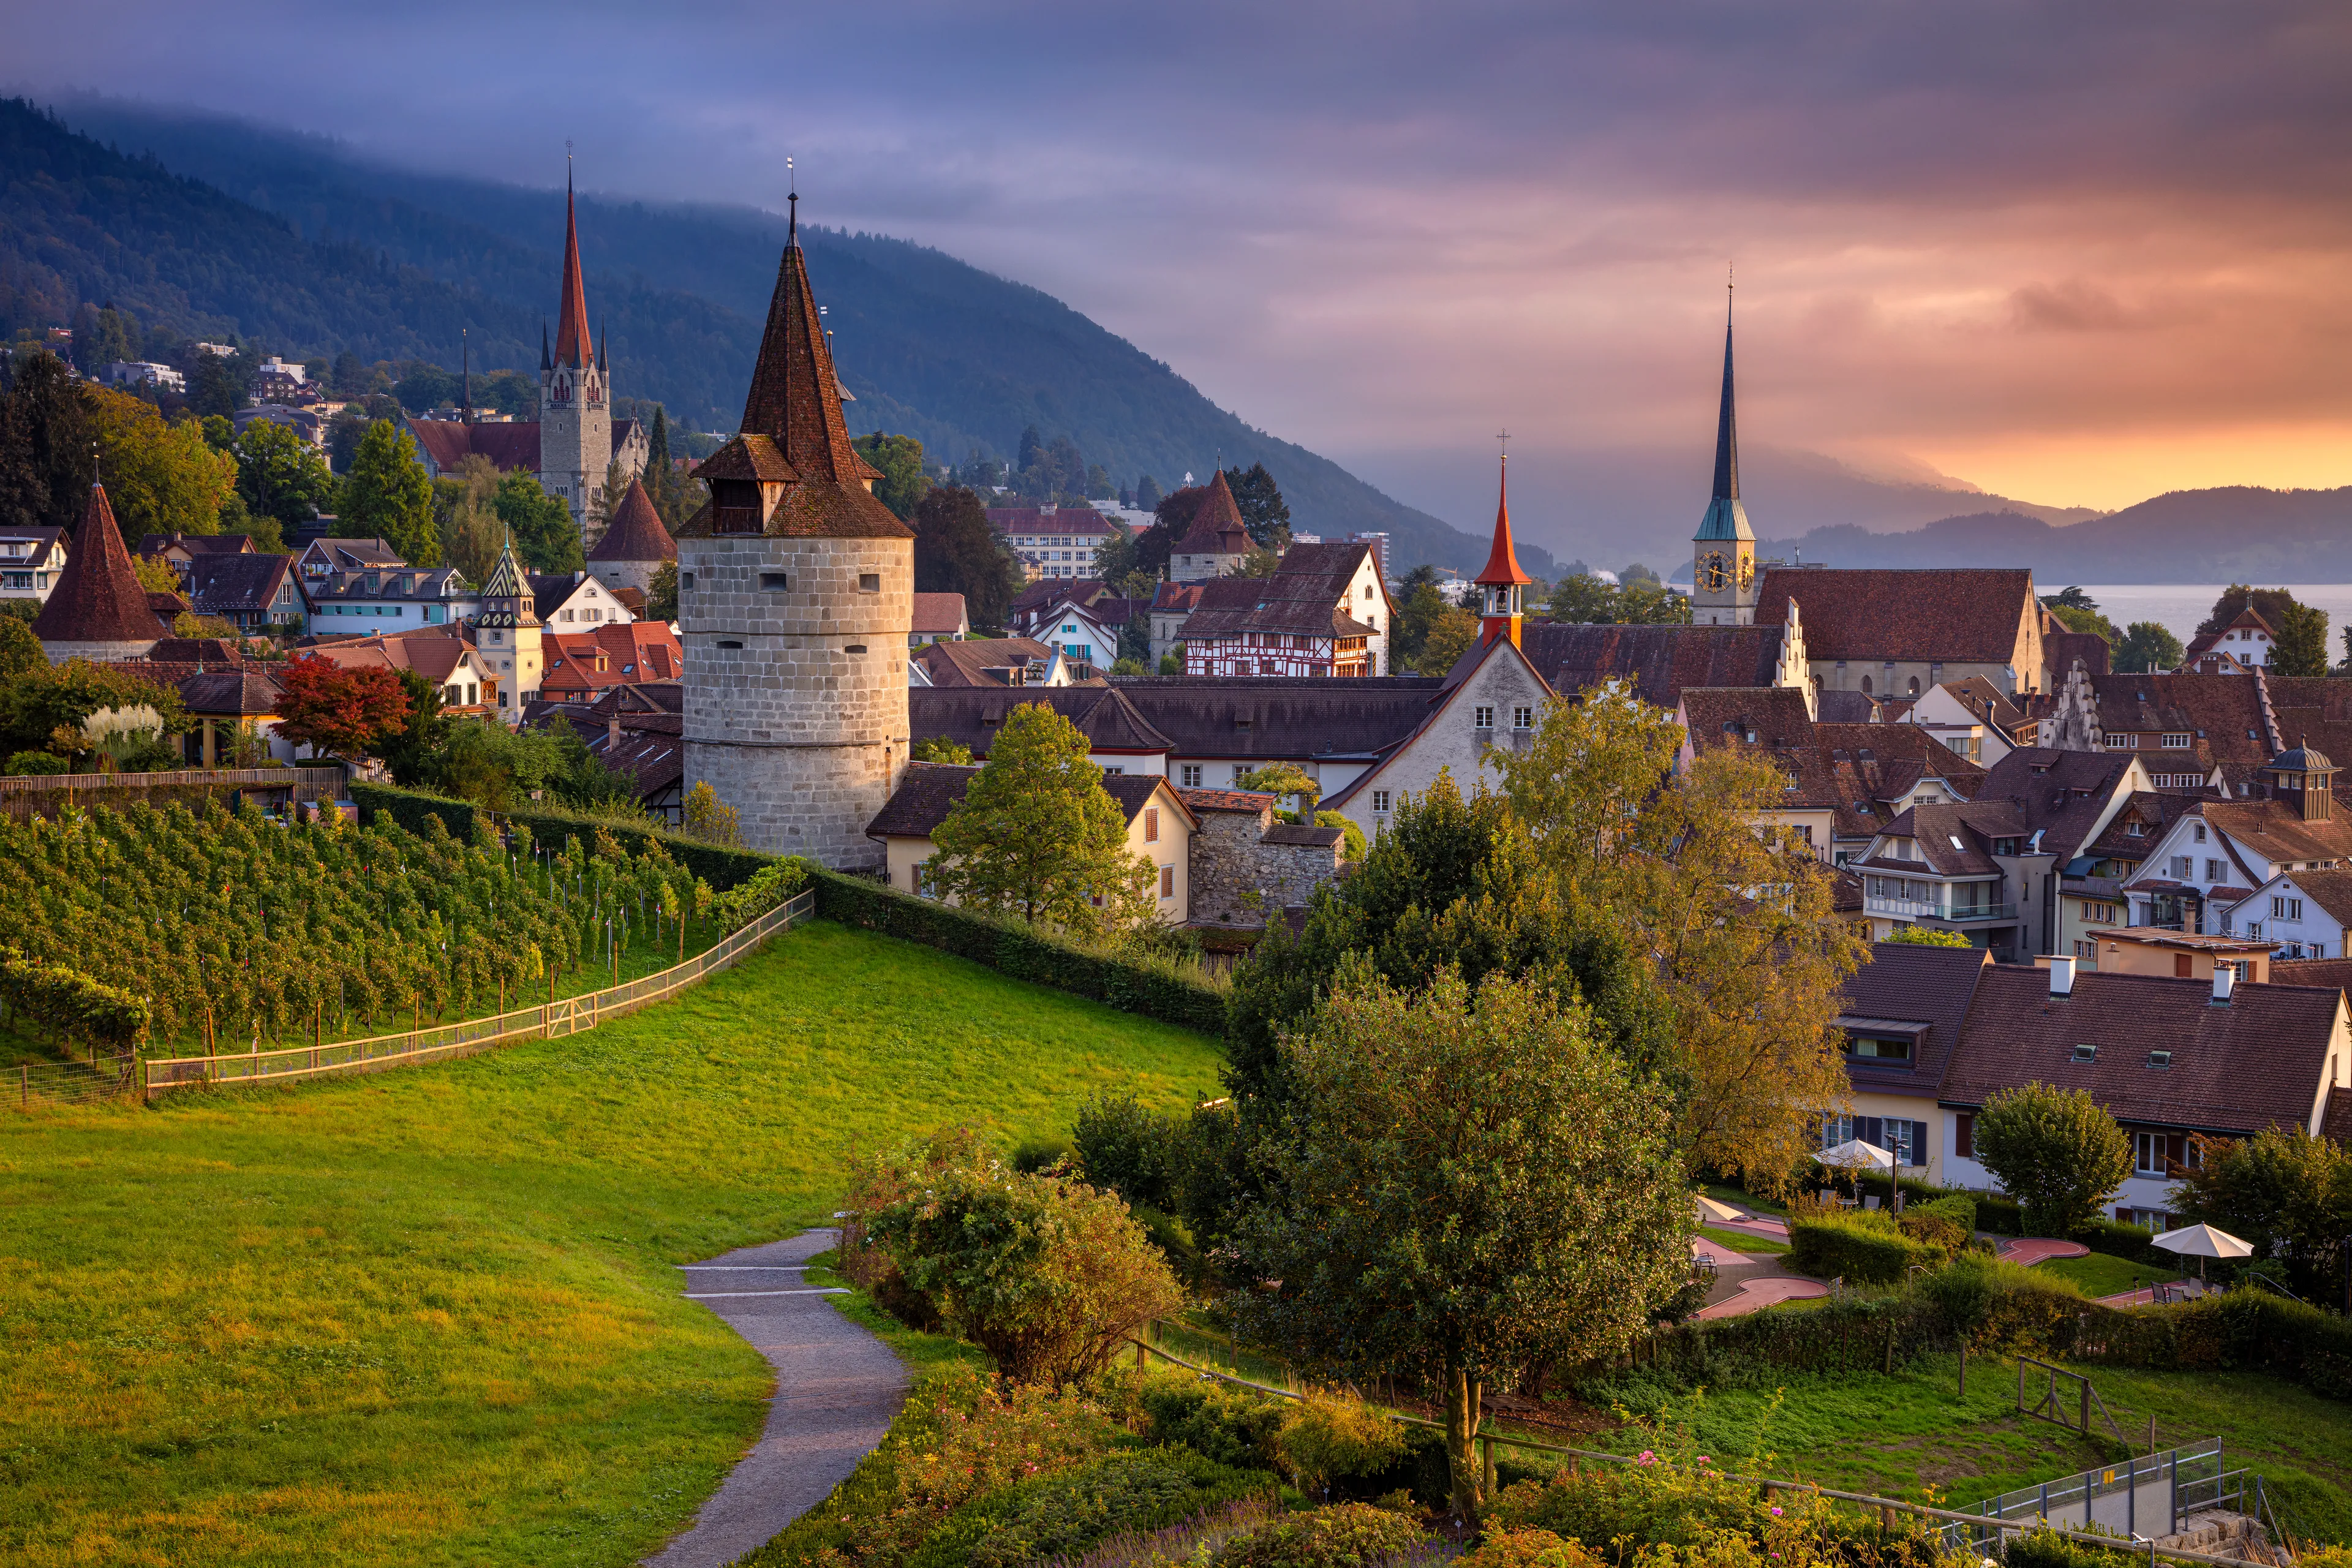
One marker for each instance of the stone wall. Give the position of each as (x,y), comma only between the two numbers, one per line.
(1231,859)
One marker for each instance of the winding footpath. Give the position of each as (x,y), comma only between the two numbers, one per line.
(837,1390)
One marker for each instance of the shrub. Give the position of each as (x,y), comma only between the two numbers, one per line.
(1194,1541)
(1959,1208)
(1331,1436)
(877,1182)
(1127,1148)
(1032,1155)
(2046,1548)
(1048,1275)
(1228,1424)
(1999,1305)
(1346,1535)
(1862,1248)
(25,765)
(769,886)
(1507,1548)
(1071,1510)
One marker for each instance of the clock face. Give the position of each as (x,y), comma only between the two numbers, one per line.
(1711,571)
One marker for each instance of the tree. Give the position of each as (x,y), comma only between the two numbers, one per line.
(1652,603)
(1036,834)
(37,702)
(279,474)
(339,712)
(2301,646)
(939,749)
(387,496)
(1264,511)
(956,552)
(2084,617)
(412,750)
(545,537)
(661,593)
(1926,936)
(710,819)
(1450,637)
(20,650)
(1255,562)
(2148,647)
(1581,599)
(465,516)
(2288,1193)
(160,479)
(219,384)
(903,483)
(1732,919)
(1148,494)
(2056,1152)
(2072,597)
(1283,779)
(2271,604)
(1477,1184)
(155,575)
(1420,602)
(344,433)
(45,444)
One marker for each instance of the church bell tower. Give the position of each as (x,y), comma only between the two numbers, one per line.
(575,403)
(1723,551)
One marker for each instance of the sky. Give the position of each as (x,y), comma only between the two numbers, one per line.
(2078,254)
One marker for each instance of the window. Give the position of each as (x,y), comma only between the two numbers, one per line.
(1523,717)
(1167,881)
(1190,776)
(870,582)
(770,583)
(1113,772)
(1151,825)
(2197,831)
(2088,1053)
(2182,867)
(1379,800)
(1882,1048)
(2152,1153)
(1483,718)
(2123,742)
(2213,870)
(2286,909)
(1240,771)
(2175,742)
(2159,1059)
(1964,1135)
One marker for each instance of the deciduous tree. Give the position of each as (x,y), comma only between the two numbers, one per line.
(544,534)
(903,484)
(1450,637)
(161,478)
(387,496)
(2057,1152)
(2288,1193)
(939,749)
(1477,1184)
(279,474)
(2147,646)
(1036,836)
(339,712)
(1926,936)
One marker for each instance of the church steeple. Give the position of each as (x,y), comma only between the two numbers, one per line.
(573,346)
(1501,582)
(575,406)
(1723,552)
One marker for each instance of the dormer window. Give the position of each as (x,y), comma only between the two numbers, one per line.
(2086,1053)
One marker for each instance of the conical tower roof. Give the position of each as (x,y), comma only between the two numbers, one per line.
(98,598)
(1502,568)
(507,597)
(1726,518)
(1215,521)
(636,532)
(572,344)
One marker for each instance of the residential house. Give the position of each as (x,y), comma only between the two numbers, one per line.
(144,372)
(2197,732)
(2091,898)
(2169,1058)
(1056,544)
(2210,862)
(394,599)
(250,592)
(995,663)
(440,654)
(180,551)
(1900,1017)
(1975,719)
(1080,635)
(583,667)
(1216,543)
(323,557)
(2240,647)
(31,559)
(571,601)
(1159,828)
(939,617)
(1899,631)
(309,424)
(1321,613)
(2305,914)
(1767,720)
(636,729)
(2181,955)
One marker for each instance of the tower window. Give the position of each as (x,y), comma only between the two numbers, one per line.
(854,647)
(774,582)
(870,582)
(725,644)
(686,581)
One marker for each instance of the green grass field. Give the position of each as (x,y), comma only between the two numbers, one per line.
(1741,1241)
(432,1316)
(2100,1275)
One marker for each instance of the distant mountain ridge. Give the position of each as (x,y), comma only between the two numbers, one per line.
(290,240)
(2236,534)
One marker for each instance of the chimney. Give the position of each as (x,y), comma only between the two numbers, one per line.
(2062,977)
(613,734)
(2225,979)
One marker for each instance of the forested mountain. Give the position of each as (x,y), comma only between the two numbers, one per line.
(294,244)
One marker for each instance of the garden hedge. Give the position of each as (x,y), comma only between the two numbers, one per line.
(1863,1251)
(1998,1215)
(722,868)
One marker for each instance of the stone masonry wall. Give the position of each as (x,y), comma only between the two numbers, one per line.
(1229,860)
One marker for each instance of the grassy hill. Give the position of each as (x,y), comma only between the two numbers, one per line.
(434,1316)
(929,346)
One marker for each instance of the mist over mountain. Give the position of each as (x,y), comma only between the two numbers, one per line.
(203,224)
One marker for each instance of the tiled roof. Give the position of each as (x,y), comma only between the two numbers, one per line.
(225,584)
(1134,791)
(1250,719)
(2257,1062)
(2061,649)
(938,613)
(972,716)
(1077,521)
(1250,803)
(1179,597)
(2154,811)
(434,653)
(217,652)
(250,690)
(1988,702)
(153,545)
(980,661)
(635,533)
(98,596)
(2061,794)
(1307,594)
(1034,598)
(1847,707)
(351,554)
(404,583)
(2336,971)
(1929,986)
(2222,714)
(1217,523)
(1660,661)
(1300,834)
(509,445)
(1767,716)
(1502,568)
(1954,839)
(1965,614)
(2331,890)
(926,793)
(631,652)
(2275,830)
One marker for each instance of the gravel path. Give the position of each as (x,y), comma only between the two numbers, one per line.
(837,1390)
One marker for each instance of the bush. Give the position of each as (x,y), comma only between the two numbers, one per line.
(1032,1155)
(1331,1437)
(1347,1535)
(1998,1305)
(1507,1548)
(1127,1148)
(2046,1548)
(1231,1426)
(1862,1248)
(31,764)
(1050,1276)
(1069,1511)
(877,1182)
(762,891)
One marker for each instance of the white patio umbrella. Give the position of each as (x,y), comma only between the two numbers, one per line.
(1855,1155)
(1708,1209)
(2201,1242)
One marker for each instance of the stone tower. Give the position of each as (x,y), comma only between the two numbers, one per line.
(575,403)
(795,596)
(507,632)
(1723,551)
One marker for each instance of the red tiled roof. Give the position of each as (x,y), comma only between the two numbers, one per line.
(1660,661)
(1217,523)
(1074,520)
(509,445)
(1958,615)
(980,661)
(2275,830)
(941,612)
(98,596)
(1502,568)
(635,533)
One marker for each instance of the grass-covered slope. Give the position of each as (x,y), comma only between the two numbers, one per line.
(432,1316)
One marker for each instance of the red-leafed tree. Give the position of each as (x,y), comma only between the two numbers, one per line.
(340,711)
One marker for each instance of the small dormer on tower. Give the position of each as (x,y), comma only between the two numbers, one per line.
(1723,550)
(1501,584)
(2305,779)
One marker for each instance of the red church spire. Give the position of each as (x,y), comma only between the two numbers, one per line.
(1502,580)
(573,345)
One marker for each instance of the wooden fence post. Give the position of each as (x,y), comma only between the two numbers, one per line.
(1964,1370)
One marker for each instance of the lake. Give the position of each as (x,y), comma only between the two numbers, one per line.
(2180,607)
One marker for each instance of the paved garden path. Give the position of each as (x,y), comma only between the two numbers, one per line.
(837,1390)
(2030,1250)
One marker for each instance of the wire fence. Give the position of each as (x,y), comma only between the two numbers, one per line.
(72,1083)
(565,1015)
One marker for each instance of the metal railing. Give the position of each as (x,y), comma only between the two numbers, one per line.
(1919,908)
(2141,1499)
(564,1015)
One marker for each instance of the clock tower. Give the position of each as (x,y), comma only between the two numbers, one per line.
(1723,551)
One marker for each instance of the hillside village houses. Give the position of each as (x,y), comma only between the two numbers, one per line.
(30,561)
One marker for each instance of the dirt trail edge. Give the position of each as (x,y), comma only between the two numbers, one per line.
(837,1390)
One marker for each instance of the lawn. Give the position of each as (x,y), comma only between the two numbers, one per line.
(2100,1275)
(432,1316)
(1860,1431)
(1742,1241)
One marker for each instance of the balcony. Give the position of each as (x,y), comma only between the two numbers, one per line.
(1921,909)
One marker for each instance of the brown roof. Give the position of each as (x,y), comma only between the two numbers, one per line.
(980,661)
(217,652)
(629,652)
(2061,649)
(1174,596)
(1847,707)
(1252,803)
(1074,520)
(1660,661)
(1856,771)
(2257,1062)
(1769,716)
(2059,793)
(1307,594)
(2154,811)
(1300,834)
(2222,714)
(1988,702)
(635,533)
(1217,523)
(2331,890)
(434,652)
(929,791)
(938,613)
(1035,597)
(230,585)
(1953,614)
(153,545)
(971,716)
(2336,971)
(1263,718)
(2276,831)
(1931,986)
(1956,840)
(509,445)
(247,691)
(98,596)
